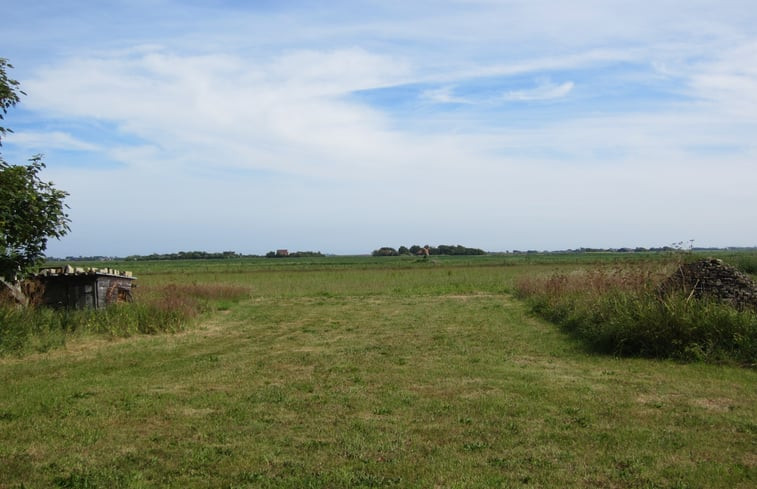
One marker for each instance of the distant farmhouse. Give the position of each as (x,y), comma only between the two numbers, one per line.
(82,288)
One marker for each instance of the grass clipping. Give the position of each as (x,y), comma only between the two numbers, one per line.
(621,311)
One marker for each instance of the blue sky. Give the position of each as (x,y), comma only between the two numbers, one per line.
(346,126)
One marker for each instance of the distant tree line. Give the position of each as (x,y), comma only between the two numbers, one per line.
(676,247)
(187,255)
(599,250)
(432,250)
(295,254)
(384,251)
(190,255)
(83,258)
(638,249)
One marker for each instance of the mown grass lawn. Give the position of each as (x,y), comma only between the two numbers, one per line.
(427,376)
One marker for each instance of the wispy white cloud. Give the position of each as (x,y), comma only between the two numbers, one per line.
(544,91)
(444,95)
(729,81)
(50,140)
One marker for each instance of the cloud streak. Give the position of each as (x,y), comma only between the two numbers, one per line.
(50,140)
(544,91)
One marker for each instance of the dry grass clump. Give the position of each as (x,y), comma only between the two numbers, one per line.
(187,301)
(593,281)
(156,309)
(213,292)
(620,311)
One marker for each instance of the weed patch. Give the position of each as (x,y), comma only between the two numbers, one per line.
(620,311)
(169,308)
(746,262)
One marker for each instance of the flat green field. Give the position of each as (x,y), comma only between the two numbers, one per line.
(369,372)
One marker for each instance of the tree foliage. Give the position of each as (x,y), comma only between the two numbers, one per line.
(295,254)
(432,250)
(385,251)
(187,255)
(31,210)
(9,93)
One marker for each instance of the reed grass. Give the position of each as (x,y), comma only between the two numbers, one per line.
(746,262)
(620,311)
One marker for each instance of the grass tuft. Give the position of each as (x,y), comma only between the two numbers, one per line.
(746,262)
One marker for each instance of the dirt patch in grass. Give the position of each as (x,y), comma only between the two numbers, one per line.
(750,460)
(196,413)
(720,405)
(467,297)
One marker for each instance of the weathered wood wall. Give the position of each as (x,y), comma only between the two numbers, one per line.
(84,290)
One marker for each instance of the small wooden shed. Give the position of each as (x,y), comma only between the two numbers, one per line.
(81,288)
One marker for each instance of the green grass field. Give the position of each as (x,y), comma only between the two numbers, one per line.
(369,372)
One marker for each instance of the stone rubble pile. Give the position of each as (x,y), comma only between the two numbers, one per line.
(710,277)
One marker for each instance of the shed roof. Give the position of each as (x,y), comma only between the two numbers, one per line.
(68,270)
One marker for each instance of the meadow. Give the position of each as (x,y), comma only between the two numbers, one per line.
(367,372)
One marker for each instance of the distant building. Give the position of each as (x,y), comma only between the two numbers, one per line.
(282,252)
(82,288)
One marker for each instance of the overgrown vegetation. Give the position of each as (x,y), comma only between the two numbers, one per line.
(167,308)
(746,262)
(620,311)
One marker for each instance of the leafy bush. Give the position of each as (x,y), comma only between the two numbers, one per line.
(620,312)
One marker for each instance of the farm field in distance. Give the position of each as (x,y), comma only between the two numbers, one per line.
(371,372)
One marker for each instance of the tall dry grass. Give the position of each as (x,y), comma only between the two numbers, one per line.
(621,311)
(155,309)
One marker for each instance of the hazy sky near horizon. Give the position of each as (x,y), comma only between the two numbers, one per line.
(344,126)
